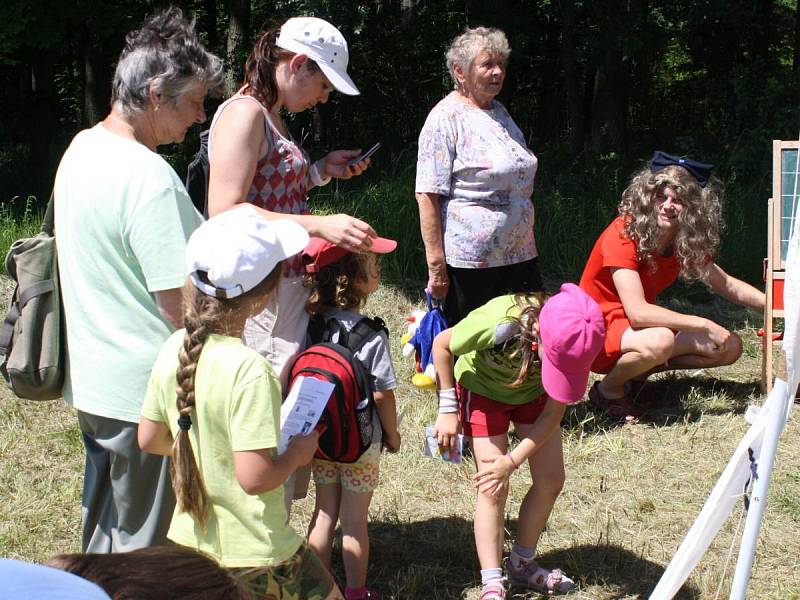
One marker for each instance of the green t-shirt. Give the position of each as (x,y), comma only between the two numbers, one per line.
(237,408)
(485,341)
(122,219)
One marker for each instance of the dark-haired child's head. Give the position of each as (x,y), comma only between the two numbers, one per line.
(158,573)
(342,279)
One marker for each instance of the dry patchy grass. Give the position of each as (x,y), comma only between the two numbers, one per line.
(632,492)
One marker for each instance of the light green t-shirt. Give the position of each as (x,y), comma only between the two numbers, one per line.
(122,219)
(237,408)
(485,341)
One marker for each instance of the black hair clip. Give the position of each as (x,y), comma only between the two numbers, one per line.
(185,422)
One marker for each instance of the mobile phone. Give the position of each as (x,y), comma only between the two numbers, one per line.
(366,154)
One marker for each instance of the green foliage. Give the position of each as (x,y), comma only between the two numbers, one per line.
(596,87)
(388,204)
(18,219)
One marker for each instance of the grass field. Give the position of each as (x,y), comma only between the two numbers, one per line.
(631,493)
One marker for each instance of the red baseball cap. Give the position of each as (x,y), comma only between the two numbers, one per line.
(320,253)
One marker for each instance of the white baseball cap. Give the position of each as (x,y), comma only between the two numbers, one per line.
(238,248)
(324,44)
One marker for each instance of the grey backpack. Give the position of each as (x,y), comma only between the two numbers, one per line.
(32,339)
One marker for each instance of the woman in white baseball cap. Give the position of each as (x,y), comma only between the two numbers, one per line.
(254,159)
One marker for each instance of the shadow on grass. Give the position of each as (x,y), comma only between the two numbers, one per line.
(435,559)
(673,398)
(619,572)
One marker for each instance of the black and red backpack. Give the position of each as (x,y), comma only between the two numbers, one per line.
(348,415)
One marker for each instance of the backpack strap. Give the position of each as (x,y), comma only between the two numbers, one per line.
(364,330)
(15,311)
(48,223)
(7,331)
(197,176)
(316,329)
(325,330)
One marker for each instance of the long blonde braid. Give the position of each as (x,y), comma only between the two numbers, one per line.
(202,316)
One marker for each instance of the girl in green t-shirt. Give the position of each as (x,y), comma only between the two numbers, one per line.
(522,359)
(214,406)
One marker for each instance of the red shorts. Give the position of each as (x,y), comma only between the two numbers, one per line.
(483,417)
(616,325)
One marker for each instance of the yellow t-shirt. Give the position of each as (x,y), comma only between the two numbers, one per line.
(237,408)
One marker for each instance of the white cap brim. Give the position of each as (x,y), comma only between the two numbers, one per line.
(291,237)
(341,81)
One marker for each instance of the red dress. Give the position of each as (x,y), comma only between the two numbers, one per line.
(614,249)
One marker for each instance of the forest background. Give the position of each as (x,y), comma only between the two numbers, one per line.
(596,86)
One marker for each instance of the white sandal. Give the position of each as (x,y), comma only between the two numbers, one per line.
(494,590)
(533,576)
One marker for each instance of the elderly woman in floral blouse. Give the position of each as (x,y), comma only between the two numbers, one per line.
(474,184)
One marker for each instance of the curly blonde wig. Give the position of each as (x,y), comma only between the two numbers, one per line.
(336,285)
(699,223)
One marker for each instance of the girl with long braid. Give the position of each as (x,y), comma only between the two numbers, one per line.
(214,406)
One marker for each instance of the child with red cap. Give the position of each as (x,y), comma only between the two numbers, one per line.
(522,358)
(341,282)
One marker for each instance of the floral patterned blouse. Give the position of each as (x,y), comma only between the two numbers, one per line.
(477,160)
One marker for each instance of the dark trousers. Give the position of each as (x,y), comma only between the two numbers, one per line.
(471,288)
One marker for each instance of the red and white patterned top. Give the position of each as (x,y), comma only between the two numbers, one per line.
(281,181)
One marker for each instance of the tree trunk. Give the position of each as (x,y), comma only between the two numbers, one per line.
(576,123)
(796,54)
(238,34)
(407,11)
(610,103)
(43,128)
(612,70)
(96,84)
(211,24)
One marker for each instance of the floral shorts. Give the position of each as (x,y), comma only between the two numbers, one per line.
(360,477)
(301,577)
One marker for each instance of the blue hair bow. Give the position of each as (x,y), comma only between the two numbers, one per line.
(700,171)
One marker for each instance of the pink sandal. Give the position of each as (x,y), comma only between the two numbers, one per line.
(532,576)
(618,409)
(494,590)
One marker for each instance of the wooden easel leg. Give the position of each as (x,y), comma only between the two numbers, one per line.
(768,351)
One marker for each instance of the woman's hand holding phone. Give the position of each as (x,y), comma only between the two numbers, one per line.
(339,164)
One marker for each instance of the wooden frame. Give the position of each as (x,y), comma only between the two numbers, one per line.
(776,212)
(773,307)
(775,263)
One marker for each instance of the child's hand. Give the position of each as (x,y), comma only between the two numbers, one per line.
(392,441)
(445,430)
(494,478)
(304,446)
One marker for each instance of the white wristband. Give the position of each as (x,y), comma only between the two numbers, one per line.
(447,401)
(316,177)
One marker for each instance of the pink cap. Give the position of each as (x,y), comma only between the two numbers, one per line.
(572,333)
(320,253)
